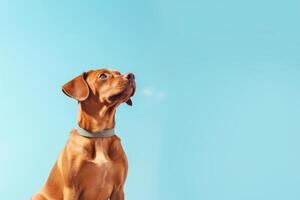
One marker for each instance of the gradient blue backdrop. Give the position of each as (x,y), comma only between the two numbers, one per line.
(216,114)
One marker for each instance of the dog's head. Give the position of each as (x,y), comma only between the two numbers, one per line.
(109,87)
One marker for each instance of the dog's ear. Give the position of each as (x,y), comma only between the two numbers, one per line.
(77,88)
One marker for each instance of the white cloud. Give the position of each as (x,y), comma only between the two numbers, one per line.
(147,92)
(151,92)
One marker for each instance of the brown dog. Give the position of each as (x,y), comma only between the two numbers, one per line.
(92,168)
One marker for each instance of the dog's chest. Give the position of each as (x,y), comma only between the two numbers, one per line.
(95,168)
(97,162)
(97,159)
(99,156)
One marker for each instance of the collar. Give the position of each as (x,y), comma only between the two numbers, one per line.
(103,133)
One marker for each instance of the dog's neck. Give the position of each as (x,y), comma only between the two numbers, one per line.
(94,116)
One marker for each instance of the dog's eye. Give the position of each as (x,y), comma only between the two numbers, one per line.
(102,76)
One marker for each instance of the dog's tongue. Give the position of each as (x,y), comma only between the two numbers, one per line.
(129,102)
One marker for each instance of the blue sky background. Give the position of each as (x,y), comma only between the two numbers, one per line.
(216,114)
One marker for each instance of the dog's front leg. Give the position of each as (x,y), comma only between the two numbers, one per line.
(118,194)
(70,194)
(38,196)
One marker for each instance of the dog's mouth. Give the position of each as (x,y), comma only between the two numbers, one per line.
(123,95)
(116,96)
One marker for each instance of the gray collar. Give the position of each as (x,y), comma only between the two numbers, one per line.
(104,133)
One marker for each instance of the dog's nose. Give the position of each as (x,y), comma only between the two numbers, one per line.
(130,76)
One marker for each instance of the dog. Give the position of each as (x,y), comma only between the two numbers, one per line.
(93,164)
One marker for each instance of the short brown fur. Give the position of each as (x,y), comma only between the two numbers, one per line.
(92,168)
